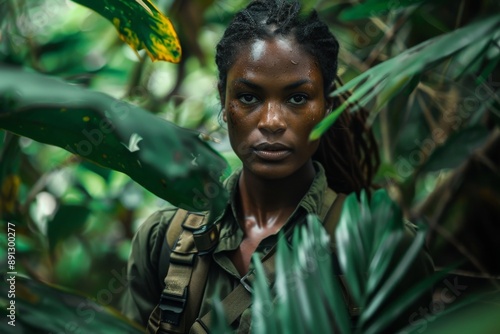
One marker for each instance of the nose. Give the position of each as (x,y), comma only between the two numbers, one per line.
(272,118)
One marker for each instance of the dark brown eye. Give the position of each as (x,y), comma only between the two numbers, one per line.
(298,99)
(247,98)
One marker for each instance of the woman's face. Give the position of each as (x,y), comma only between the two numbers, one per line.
(274,96)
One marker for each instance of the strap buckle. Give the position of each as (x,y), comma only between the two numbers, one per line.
(246,283)
(172,306)
(206,238)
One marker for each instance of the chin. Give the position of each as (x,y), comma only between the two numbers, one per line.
(272,171)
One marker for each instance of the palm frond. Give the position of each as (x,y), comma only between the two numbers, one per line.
(467,47)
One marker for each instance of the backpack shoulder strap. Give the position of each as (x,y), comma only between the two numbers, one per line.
(172,233)
(175,228)
(187,271)
(204,239)
(332,208)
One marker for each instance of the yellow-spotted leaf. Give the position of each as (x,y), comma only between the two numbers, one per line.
(10,182)
(9,190)
(141,25)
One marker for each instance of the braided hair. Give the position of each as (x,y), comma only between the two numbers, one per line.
(348,150)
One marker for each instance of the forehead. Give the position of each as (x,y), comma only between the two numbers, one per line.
(279,58)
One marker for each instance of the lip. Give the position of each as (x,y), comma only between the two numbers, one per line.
(272,151)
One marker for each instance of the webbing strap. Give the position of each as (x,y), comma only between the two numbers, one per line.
(196,289)
(332,216)
(238,300)
(174,296)
(328,200)
(177,282)
(175,227)
(241,298)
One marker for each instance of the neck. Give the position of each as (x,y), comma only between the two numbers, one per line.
(272,201)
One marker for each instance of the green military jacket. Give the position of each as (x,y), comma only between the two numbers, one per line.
(145,282)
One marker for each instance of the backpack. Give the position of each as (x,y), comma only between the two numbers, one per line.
(191,242)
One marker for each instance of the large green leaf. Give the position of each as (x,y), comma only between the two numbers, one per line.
(42,308)
(387,79)
(169,161)
(141,25)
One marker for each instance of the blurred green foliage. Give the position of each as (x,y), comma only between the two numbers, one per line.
(437,126)
(75,219)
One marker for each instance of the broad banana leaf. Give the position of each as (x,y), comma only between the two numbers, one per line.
(141,25)
(171,162)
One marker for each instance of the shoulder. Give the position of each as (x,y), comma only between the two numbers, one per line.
(157,218)
(152,231)
(144,284)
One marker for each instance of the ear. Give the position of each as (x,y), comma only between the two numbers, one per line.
(222,97)
(224,115)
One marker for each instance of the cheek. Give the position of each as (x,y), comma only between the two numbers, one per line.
(312,118)
(314,146)
(309,149)
(317,113)
(232,115)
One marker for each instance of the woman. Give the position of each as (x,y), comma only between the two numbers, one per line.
(276,69)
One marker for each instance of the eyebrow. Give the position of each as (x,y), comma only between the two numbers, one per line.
(298,84)
(247,83)
(293,85)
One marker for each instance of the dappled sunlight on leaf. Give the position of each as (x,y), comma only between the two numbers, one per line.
(141,25)
(95,126)
(133,142)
